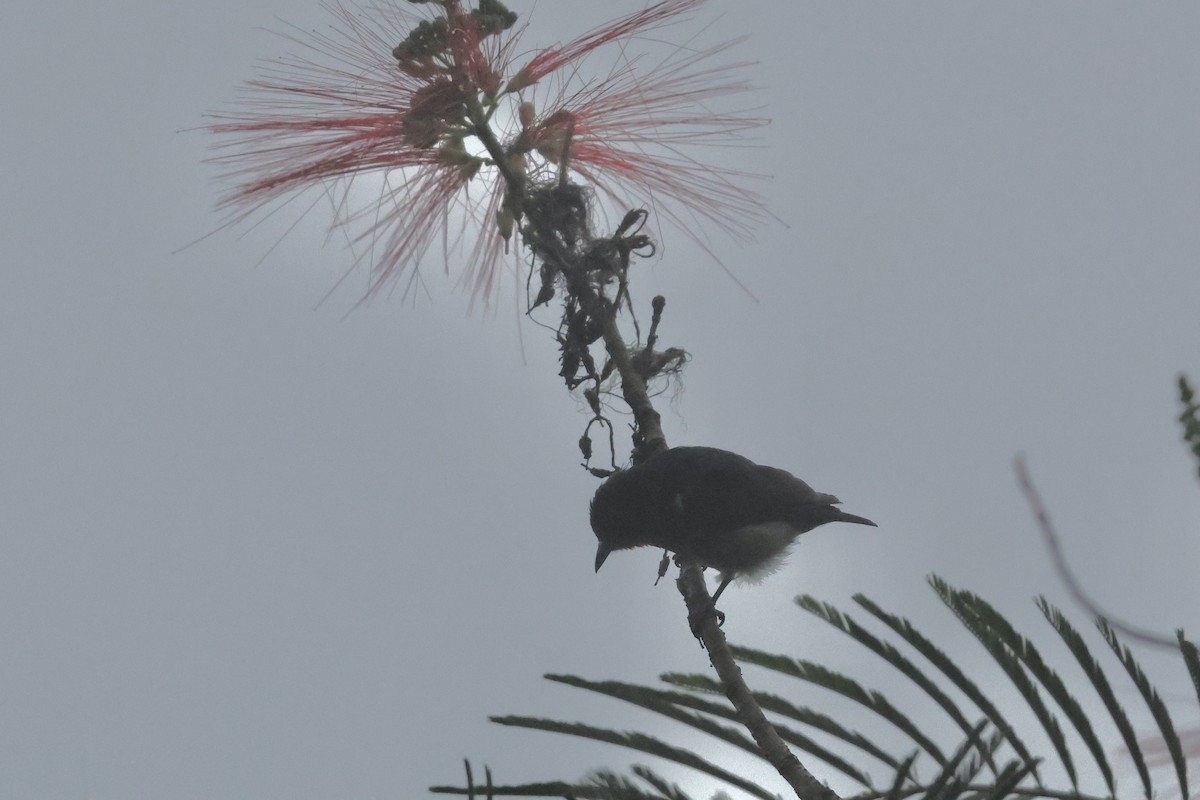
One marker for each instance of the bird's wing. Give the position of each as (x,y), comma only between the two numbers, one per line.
(723,491)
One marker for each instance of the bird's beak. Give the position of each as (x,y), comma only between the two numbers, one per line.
(602,552)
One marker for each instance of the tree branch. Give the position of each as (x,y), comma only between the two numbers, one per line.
(1054,545)
(774,750)
(569,261)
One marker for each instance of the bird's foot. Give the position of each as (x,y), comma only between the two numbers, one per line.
(697,619)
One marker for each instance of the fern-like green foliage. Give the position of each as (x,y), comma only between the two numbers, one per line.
(1189,417)
(1004,749)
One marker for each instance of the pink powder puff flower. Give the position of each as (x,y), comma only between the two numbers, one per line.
(406,93)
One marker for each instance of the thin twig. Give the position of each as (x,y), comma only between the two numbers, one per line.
(1054,545)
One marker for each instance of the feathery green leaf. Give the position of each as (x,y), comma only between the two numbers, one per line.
(949,783)
(1191,658)
(903,773)
(1005,646)
(667,704)
(640,742)
(1154,702)
(888,653)
(926,648)
(776,704)
(845,686)
(669,791)
(1189,418)
(543,789)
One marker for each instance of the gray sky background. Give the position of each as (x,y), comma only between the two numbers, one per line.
(254,546)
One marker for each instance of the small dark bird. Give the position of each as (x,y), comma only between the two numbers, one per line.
(710,506)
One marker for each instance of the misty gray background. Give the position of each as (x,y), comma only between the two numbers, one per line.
(253,545)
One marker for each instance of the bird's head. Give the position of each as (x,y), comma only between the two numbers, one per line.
(622,514)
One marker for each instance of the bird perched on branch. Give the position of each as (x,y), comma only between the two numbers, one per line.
(713,507)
